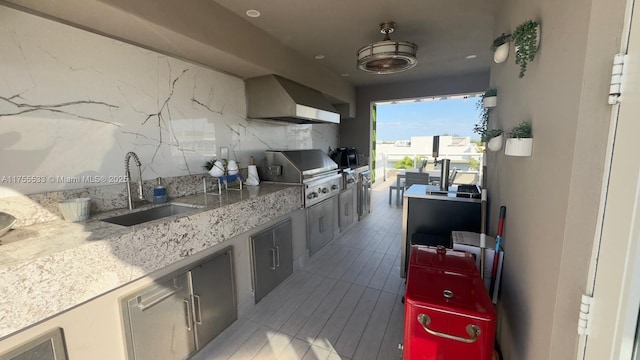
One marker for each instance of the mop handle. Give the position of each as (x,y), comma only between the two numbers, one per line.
(483,230)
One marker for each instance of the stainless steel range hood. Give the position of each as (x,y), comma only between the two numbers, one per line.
(274,97)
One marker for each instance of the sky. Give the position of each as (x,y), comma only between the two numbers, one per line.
(429,118)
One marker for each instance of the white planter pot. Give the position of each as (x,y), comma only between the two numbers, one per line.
(518,147)
(501,54)
(495,143)
(490,101)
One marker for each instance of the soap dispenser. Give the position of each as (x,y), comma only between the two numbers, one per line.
(159,193)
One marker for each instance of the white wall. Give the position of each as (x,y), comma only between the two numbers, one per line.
(73,103)
(552,197)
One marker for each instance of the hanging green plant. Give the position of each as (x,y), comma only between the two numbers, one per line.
(525,39)
(485,113)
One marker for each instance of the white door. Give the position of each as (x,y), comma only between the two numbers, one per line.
(616,294)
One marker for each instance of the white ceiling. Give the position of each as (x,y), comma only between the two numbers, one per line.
(445,31)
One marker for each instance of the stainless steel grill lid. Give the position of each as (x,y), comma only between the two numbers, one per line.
(294,166)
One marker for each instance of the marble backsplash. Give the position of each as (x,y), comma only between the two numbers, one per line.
(73,103)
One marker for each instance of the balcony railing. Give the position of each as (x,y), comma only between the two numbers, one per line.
(385,163)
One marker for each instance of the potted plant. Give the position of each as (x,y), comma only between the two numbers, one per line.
(520,142)
(490,98)
(500,48)
(526,38)
(215,168)
(493,138)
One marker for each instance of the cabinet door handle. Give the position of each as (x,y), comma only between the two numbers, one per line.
(159,299)
(321,223)
(197,310)
(277,256)
(273,258)
(472,330)
(187,313)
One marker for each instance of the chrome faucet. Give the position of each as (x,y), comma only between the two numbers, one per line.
(127,177)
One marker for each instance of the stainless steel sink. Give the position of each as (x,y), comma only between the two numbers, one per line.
(143,216)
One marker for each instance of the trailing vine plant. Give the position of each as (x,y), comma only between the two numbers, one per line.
(485,113)
(525,40)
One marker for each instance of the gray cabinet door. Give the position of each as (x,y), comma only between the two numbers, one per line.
(213,301)
(264,263)
(347,209)
(320,225)
(284,250)
(272,258)
(160,323)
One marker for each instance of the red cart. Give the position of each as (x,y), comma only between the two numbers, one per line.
(448,312)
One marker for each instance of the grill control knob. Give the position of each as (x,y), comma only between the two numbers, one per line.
(325,190)
(334,187)
(312,195)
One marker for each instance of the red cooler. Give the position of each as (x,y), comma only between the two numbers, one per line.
(448,313)
(440,258)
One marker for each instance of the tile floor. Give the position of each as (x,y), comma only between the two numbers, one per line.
(344,304)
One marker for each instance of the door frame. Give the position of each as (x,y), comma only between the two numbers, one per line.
(614,276)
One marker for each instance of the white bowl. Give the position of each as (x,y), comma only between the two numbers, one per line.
(75,209)
(6,222)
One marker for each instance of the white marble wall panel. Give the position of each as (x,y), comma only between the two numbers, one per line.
(73,103)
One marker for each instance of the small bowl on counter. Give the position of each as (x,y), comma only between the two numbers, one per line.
(75,209)
(6,222)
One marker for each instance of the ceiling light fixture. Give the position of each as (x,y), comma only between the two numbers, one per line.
(253,13)
(319,57)
(386,56)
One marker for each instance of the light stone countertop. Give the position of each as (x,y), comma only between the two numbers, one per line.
(50,267)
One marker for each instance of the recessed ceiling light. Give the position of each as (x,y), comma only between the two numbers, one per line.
(472,56)
(319,57)
(253,13)
(344,75)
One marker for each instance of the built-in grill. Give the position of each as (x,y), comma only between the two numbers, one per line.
(320,182)
(312,169)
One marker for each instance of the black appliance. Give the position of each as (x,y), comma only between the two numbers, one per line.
(345,157)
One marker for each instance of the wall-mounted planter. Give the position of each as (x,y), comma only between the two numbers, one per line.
(495,143)
(501,54)
(489,101)
(518,147)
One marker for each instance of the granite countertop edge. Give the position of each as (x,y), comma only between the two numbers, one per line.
(44,267)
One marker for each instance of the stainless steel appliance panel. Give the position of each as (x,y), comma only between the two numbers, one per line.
(347,209)
(364,194)
(293,166)
(213,302)
(272,258)
(319,225)
(48,346)
(162,319)
(160,322)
